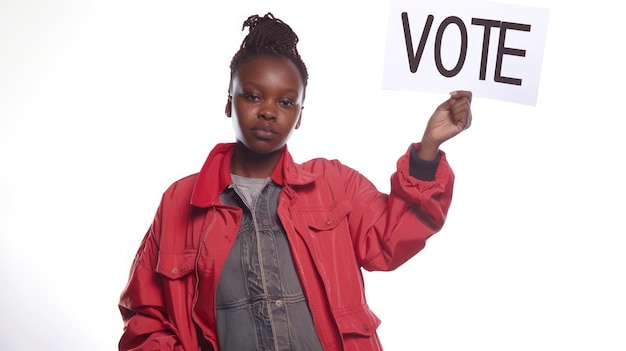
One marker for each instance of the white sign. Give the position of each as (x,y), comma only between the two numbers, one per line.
(495,50)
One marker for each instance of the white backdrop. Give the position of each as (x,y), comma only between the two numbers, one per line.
(104,103)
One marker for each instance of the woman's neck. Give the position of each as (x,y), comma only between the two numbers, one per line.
(246,163)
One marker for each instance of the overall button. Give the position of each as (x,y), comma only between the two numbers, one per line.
(265,222)
(278,303)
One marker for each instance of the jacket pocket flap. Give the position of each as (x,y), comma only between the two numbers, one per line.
(326,218)
(361,321)
(174,265)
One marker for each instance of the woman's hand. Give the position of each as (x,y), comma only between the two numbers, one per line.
(450,118)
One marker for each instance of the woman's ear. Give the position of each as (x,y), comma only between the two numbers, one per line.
(299,118)
(229,106)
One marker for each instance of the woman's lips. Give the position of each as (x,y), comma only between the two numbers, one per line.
(264,132)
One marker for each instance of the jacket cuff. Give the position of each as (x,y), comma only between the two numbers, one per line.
(421,169)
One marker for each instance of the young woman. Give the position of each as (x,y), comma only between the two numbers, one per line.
(256,252)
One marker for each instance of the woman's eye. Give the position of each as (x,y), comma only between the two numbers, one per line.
(287,103)
(252,97)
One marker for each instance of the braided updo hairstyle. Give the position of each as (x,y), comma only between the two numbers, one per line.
(268,36)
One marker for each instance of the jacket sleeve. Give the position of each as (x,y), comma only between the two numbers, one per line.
(387,230)
(146,325)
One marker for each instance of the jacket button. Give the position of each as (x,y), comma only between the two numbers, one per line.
(174,270)
(328,222)
(366,327)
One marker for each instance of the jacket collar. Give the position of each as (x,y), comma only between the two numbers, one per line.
(214,176)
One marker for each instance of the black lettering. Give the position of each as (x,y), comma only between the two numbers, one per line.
(488,24)
(503,50)
(462,54)
(415,57)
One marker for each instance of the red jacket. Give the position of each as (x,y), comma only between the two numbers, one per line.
(336,223)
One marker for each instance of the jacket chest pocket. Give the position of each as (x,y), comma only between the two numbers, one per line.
(328,236)
(327,231)
(322,219)
(175,265)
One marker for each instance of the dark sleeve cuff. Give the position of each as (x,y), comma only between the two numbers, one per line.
(421,169)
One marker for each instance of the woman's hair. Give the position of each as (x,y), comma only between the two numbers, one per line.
(268,36)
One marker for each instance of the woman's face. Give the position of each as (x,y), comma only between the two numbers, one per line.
(265,102)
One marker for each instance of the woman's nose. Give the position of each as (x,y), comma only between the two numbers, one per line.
(267,111)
